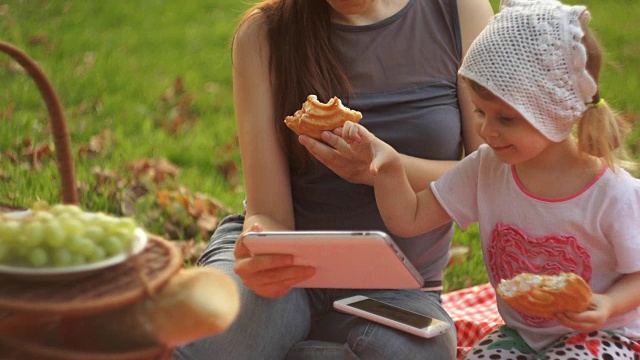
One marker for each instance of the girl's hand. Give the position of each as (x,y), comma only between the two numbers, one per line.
(368,147)
(271,276)
(337,155)
(591,319)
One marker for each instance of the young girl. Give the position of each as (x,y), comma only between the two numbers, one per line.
(546,201)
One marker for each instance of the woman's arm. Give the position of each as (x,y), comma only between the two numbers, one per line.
(264,164)
(473,16)
(266,172)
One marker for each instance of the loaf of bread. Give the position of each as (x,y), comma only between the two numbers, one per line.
(545,295)
(315,117)
(195,303)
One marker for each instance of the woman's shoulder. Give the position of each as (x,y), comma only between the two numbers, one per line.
(251,36)
(252,27)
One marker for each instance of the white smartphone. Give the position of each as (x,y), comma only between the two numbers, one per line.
(393,316)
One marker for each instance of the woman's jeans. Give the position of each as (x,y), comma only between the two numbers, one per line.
(304,325)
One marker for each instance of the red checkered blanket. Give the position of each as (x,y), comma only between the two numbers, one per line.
(474,313)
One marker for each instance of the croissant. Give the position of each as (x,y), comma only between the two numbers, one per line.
(545,295)
(315,117)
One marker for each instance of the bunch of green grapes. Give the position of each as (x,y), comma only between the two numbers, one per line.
(61,236)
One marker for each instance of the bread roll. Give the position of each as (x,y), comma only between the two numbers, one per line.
(545,295)
(195,303)
(315,117)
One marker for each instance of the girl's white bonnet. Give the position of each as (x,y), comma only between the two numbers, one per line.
(530,56)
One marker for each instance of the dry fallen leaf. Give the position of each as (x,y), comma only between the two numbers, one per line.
(230,171)
(39,39)
(207,223)
(189,214)
(104,176)
(175,107)
(37,154)
(87,63)
(156,170)
(97,144)
(8,113)
(190,249)
(130,196)
(11,155)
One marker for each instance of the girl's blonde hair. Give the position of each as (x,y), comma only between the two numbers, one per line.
(601,130)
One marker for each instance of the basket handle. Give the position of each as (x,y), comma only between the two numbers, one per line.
(56,117)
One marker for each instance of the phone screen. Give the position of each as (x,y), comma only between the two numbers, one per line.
(392,312)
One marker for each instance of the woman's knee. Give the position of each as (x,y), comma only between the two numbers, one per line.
(269,327)
(399,344)
(219,252)
(375,341)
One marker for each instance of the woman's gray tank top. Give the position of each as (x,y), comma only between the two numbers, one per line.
(403,72)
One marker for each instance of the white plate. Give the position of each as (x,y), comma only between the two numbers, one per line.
(72,272)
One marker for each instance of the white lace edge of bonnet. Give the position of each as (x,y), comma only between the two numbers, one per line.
(530,55)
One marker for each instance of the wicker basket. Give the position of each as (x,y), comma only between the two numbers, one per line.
(116,287)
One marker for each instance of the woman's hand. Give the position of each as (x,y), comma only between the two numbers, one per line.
(271,276)
(337,155)
(591,319)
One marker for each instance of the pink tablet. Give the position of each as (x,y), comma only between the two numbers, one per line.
(343,259)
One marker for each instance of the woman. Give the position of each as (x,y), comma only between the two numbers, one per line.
(396,61)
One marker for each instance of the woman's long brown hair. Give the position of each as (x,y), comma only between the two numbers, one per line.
(302,62)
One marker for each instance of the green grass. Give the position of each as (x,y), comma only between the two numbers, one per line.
(112,62)
(123,56)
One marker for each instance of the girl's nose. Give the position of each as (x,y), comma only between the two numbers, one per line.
(486,129)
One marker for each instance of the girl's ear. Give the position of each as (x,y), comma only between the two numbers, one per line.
(585,18)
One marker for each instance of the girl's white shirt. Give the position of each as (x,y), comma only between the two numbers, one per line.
(592,233)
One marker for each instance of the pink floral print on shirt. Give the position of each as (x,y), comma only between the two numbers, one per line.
(511,252)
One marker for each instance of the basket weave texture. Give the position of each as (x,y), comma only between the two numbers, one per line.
(115,287)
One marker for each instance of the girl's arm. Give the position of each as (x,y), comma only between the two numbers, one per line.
(264,164)
(625,294)
(405,212)
(622,297)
